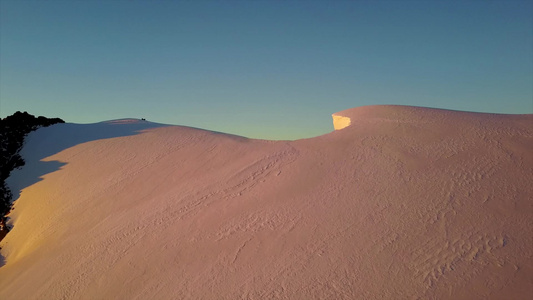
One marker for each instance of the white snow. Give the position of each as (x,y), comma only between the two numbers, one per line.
(404,203)
(340,122)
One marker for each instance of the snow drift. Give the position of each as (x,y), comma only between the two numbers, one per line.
(340,122)
(404,202)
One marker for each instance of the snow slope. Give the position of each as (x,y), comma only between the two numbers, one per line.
(405,202)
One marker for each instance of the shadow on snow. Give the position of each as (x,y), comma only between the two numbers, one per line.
(47,141)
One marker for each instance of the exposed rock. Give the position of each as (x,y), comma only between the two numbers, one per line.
(13,129)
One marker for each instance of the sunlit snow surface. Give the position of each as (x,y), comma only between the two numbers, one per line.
(403,203)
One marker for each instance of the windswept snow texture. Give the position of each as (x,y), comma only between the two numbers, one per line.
(404,203)
(51,140)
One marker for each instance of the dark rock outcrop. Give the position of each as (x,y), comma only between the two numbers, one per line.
(13,130)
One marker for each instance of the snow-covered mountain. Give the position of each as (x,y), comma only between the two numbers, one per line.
(399,203)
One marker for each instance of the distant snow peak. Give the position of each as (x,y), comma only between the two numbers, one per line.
(340,122)
(123,121)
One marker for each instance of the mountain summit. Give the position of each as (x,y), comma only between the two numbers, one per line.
(403,202)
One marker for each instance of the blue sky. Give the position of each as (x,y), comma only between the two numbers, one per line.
(263,69)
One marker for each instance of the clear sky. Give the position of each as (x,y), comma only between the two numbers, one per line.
(263,69)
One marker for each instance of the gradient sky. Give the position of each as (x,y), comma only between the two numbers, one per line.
(263,69)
